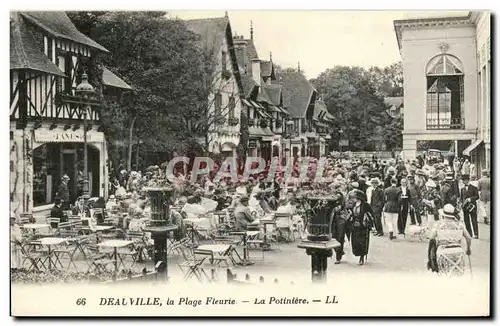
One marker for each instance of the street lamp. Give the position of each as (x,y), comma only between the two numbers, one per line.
(84,90)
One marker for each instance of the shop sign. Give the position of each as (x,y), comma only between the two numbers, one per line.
(252,144)
(66,136)
(344,142)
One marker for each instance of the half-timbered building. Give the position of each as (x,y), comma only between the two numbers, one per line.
(48,57)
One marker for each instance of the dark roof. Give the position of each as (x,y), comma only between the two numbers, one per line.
(58,24)
(273,91)
(24,53)
(263,95)
(251,50)
(266,68)
(211,30)
(297,92)
(112,80)
(248,84)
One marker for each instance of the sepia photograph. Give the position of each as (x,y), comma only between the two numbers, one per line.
(250,163)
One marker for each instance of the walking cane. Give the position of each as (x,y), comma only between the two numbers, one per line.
(470,267)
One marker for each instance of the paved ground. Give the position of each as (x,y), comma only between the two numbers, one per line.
(401,256)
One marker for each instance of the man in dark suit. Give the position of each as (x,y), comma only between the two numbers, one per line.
(57,211)
(391,207)
(377,204)
(404,198)
(469,196)
(63,192)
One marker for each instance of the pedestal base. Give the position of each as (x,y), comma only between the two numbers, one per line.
(319,251)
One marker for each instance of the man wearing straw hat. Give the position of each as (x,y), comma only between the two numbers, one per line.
(243,215)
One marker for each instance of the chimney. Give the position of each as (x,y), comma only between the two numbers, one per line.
(251,30)
(256,71)
(298,66)
(240,49)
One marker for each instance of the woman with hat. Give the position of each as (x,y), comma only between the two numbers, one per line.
(447,233)
(339,223)
(361,221)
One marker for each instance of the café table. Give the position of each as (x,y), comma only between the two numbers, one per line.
(115,244)
(267,223)
(244,235)
(49,242)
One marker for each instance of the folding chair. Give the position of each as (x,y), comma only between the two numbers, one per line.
(141,245)
(33,256)
(68,250)
(191,266)
(25,218)
(76,224)
(53,222)
(96,259)
(63,226)
(214,261)
(284,225)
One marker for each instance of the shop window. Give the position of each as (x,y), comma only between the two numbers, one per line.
(45,162)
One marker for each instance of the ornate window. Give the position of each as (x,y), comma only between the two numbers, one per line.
(445,93)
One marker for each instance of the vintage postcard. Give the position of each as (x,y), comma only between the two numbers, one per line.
(250,163)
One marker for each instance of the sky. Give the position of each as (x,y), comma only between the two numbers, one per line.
(320,39)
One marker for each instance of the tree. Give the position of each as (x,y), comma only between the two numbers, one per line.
(158,57)
(351,98)
(388,81)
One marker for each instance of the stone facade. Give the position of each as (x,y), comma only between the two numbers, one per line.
(458,39)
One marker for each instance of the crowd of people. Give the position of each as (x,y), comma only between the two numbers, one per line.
(372,197)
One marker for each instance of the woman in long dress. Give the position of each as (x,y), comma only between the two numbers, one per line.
(361,223)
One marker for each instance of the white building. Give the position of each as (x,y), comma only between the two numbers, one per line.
(446,65)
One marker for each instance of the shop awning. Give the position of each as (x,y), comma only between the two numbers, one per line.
(283,111)
(264,114)
(247,103)
(256,105)
(472,147)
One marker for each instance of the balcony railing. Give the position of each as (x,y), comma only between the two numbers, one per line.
(445,123)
